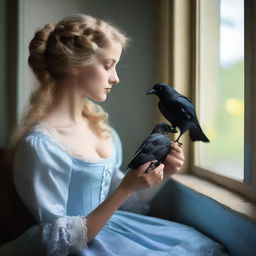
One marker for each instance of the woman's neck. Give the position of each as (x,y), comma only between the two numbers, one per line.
(68,105)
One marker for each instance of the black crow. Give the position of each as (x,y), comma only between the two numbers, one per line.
(179,111)
(154,148)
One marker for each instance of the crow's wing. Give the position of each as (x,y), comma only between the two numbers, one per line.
(187,108)
(151,138)
(142,145)
(140,155)
(155,147)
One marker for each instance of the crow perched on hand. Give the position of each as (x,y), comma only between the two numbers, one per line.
(179,111)
(154,148)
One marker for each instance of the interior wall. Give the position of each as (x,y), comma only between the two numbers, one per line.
(3,117)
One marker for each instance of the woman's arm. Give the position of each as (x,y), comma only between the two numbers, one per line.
(133,181)
(41,174)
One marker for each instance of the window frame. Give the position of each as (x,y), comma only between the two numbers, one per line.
(177,64)
(246,187)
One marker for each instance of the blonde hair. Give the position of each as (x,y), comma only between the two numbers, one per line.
(73,42)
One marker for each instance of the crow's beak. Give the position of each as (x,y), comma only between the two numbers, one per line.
(152,91)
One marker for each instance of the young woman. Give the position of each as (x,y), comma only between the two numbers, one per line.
(66,156)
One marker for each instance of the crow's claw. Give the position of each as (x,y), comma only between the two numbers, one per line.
(179,143)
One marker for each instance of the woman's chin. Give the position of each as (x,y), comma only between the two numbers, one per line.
(99,99)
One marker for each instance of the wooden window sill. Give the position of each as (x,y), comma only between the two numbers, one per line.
(232,200)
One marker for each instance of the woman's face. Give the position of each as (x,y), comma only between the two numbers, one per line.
(95,81)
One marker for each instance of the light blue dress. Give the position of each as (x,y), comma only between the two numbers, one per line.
(60,188)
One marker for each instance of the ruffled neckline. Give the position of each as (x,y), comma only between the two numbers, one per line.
(44,128)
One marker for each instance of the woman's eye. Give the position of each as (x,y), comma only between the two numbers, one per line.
(107,67)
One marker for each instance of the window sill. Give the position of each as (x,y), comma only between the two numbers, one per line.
(227,198)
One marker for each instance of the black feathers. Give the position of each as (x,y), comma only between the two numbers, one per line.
(154,148)
(179,111)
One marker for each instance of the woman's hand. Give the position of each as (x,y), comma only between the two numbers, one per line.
(174,160)
(136,179)
(133,181)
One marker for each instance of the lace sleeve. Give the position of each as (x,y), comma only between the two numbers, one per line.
(64,236)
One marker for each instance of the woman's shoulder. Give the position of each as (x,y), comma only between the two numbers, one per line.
(39,135)
(35,153)
(40,141)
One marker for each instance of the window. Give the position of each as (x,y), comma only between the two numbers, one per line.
(221,86)
(224,93)
(192,57)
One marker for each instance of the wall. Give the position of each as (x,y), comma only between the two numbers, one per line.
(3,117)
(8,64)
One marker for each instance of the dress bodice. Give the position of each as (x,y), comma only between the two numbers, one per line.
(89,185)
(75,186)
(89,181)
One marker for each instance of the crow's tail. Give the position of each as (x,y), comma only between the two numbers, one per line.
(196,133)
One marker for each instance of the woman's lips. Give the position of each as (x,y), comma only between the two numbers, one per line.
(107,89)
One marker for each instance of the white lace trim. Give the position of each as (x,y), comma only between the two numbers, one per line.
(43,127)
(66,235)
(84,232)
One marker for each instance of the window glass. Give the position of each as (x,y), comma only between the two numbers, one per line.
(221,87)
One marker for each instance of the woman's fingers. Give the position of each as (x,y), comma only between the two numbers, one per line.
(174,161)
(176,147)
(136,179)
(155,176)
(141,169)
(174,154)
(177,152)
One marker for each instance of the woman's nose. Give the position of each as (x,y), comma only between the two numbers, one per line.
(114,79)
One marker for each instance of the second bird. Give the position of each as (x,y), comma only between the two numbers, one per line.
(179,111)
(154,148)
